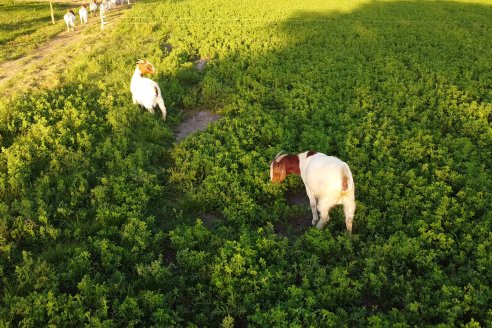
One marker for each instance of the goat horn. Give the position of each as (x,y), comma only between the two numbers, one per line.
(279,153)
(140,61)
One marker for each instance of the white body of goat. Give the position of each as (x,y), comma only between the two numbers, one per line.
(83,15)
(146,92)
(327,179)
(92,7)
(102,9)
(106,4)
(70,20)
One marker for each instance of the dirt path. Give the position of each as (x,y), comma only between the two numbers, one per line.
(41,68)
(198,122)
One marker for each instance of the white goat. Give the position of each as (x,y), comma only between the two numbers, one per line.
(327,179)
(69,18)
(102,13)
(83,15)
(92,7)
(106,4)
(146,92)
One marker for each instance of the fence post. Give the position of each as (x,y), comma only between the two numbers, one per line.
(52,15)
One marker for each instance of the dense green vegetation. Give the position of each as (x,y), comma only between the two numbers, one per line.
(25,25)
(106,221)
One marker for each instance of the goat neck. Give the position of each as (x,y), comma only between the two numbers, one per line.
(137,74)
(291,164)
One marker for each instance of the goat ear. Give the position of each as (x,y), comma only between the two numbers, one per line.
(278,173)
(282,171)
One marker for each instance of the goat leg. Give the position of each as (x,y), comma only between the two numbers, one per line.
(312,204)
(324,217)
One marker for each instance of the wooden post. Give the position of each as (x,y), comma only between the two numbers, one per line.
(102,11)
(52,15)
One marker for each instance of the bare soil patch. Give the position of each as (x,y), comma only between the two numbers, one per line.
(294,226)
(300,221)
(197,122)
(295,197)
(210,219)
(201,64)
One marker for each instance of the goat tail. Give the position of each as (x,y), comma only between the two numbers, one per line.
(347,180)
(160,102)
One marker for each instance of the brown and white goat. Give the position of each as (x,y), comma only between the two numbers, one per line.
(327,179)
(146,92)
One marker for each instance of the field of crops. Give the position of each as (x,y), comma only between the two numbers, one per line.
(106,220)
